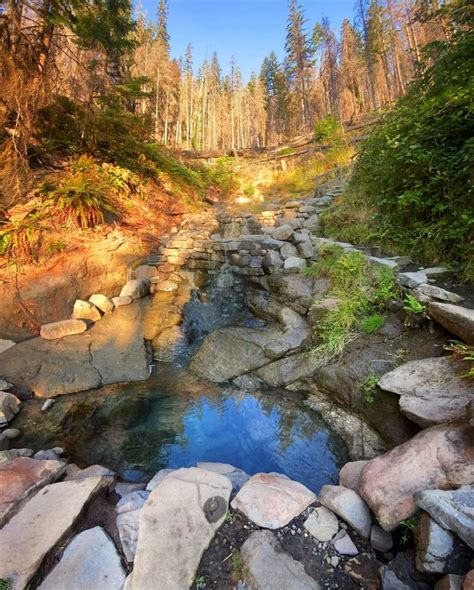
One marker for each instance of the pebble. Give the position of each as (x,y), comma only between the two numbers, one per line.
(49,403)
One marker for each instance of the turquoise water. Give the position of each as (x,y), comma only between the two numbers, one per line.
(175,420)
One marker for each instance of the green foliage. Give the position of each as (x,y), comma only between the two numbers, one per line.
(5,585)
(412,305)
(369,386)
(239,570)
(19,240)
(372,323)
(222,175)
(249,190)
(200,582)
(286,151)
(464,352)
(411,190)
(408,527)
(229,517)
(328,130)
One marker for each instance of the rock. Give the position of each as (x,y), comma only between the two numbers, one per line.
(432,390)
(385,262)
(365,569)
(119,301)
(288,250)
(271,501)
(32,533)
(49,403)
(271,568)
(6,344)
(11,433)
(458,320)
(349,475)
(9,406)
(411,279)
(293,264)
(272,262)
(248,383)
(430,459)
(89,561)
(74,473)
(236,476)
(400,574)
(167,286)
(305,249)
(449,582)
(437,293)
(48,455)
(292,290)
(122,489)
(84,310)
(4,385)
(63,328)
(102,302)
(434,545)
(7,456)
(132,501)
(312,223)
(454,510)
(283,232)
(144,272)
(136,288)
(287,370)
(469,581)
(380,539)
(438,272)
(167,345)
(343,544)
(127,526)
(349,506)
(322,524)
(176,528)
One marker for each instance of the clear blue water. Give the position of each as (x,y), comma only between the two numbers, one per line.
(175,420)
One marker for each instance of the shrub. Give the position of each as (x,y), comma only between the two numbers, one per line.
(328,130)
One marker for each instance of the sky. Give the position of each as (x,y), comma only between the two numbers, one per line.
(245,29)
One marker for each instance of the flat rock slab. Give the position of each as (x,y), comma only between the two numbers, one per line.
(322,524)
(174,531)
(432,390)
(90,561)
(271,568)
(437,457)
(349,506)
(272,500)
(6,344)
(455,318)
(40,525)
(22,477)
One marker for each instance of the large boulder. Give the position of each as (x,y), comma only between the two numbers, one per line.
(271,568)
(111,352)
(434,458)
(349,506)
(288,369)
(271,500)
(433,391)
(455,318)
(177,523)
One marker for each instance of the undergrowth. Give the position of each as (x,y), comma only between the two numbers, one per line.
(362,292)
(465,353)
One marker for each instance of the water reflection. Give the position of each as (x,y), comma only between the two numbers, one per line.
(174,420)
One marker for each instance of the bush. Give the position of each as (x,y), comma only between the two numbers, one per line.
(328,130)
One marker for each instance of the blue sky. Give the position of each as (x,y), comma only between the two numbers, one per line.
(246,29)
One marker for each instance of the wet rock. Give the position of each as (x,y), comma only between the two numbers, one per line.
(411,279)
(432,390)
(136,289)
(401,574)
(380,539)
(271,501)
(102,302)
(63,328)
(89,561)
(84,310)
(343,544)
(293,264)
(322,524)
(349,506)
(431,458)
(454,510)
(32,533)
(349,474)
(449,582)
(287,370)
(283,232)
(174,531)
(432,291)
(271,568)
(248,383)
(9,407)
(6,344)
(458,320)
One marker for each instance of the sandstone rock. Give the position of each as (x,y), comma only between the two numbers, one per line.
(158,478)
(293,264)
(322,524)
(349,506)
(271,501)
(31,534)
(380,539)
(6,344)
(119,301)
(388,483)
(136,288)
(349,475)
(63,328)
(432,390)
(174,531)
(412,279)
(21,477)
(343,544)
(434,545)
(84,310)
(283,232)
(437,293)
(271,568)
(89,561)
(102,302)
(9,406)
(454,510)
(458,320)
(449,582)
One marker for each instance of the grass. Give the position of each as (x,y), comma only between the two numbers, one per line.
(239,570)
(372,323)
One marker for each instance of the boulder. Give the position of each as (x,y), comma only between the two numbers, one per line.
(271,568)
(380,539)
(272,262)
(312,223)
(283,232)
(458,320)
(248,383)
(349,506)
(158,478)
(288,250)
(9,406)
(292,290)
(287,370)
(454,510)
(271,500)
(305,249)
(176,526)
(144,272)
(127,526)
(349,475)
(63,328)
(39,526)
(6,344)
(122,489)
(401,574)
(293,264)
(73,472)
(102,302)
(430,459)
(89,561)
(434,292)
(322,524)
(411,279)
(136,288)
(84,310)
(119,301)
(434,546)
(432,390)
(343,544)
(236,476)
(21,477)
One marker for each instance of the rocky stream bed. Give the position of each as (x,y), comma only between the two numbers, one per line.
(270,471)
